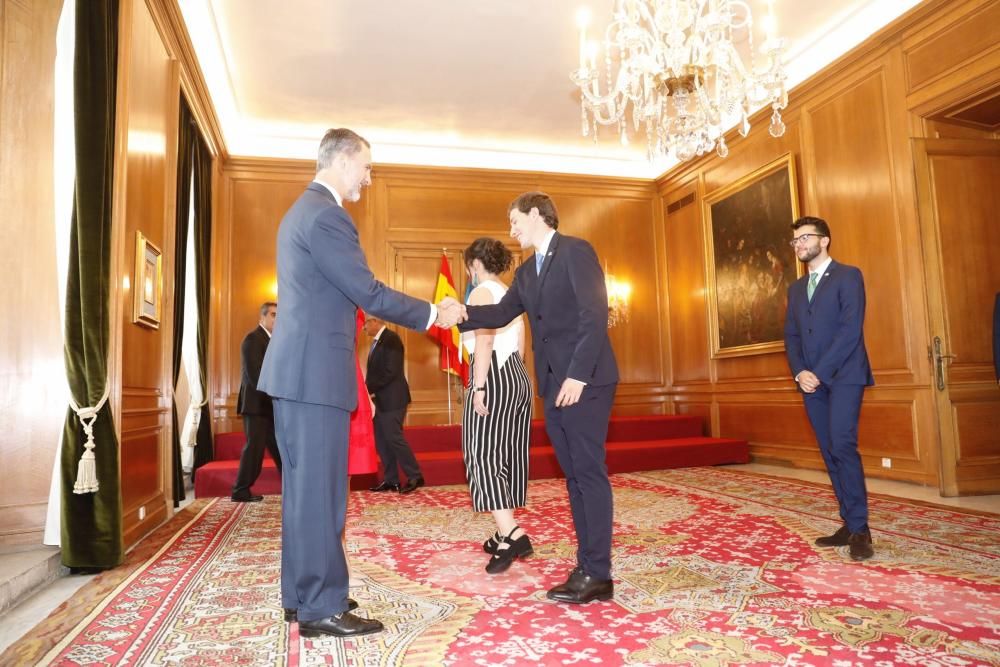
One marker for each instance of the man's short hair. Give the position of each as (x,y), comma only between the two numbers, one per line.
(266,306)
(338,141)
(818,223)
(546,207)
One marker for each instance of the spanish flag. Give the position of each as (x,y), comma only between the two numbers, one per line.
(453,359)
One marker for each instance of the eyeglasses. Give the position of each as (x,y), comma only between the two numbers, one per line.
(804,238)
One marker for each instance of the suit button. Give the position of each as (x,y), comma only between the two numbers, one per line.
(545,340)
(810,330)
(538,317)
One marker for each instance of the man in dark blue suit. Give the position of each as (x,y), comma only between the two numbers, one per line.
(309,371)
(825,345)
(562,290)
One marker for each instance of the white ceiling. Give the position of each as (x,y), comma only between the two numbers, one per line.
(478,83)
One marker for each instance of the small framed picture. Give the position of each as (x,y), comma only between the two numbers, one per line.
(147,283)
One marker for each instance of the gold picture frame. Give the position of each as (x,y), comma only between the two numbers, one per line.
(749,262)
(147,283)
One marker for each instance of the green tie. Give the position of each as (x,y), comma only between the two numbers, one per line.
(811,287)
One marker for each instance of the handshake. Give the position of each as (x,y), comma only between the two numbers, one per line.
(449,313)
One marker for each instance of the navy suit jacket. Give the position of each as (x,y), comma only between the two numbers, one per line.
(322,278)
(567,308)
(385,378)
(826,336)
(252,351)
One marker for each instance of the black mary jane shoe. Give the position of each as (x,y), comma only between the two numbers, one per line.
(490,545)
(502,558)
(292,615)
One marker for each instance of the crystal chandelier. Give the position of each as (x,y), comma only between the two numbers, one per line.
(680,70)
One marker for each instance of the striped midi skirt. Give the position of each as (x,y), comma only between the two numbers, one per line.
(495,447)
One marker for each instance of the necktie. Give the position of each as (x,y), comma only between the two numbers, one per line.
(811,287)
(539,258)
(372,348)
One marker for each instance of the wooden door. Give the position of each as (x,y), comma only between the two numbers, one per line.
(958,189)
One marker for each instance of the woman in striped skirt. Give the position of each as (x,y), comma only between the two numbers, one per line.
(497,416)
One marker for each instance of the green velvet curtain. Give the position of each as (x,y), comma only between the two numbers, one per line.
(91,522)
(202,169)
(187,135)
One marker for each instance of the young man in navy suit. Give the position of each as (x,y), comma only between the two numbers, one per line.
(562,290)
(825,345)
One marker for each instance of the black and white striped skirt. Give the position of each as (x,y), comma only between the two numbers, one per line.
(495,447)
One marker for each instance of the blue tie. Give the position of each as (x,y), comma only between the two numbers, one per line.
(372,348)
(539,259)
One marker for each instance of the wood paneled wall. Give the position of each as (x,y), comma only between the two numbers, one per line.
(849,130)
(32,377)
(156,66)
(405,220)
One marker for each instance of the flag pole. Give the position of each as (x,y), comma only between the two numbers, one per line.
(447,373)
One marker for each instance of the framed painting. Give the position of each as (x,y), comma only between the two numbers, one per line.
(750,264)
(147,282)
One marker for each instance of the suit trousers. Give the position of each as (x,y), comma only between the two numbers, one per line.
(393,450)
(833,412)
(577,434)
(259,430)
(313,440)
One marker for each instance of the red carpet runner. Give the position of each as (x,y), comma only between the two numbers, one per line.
(712,568)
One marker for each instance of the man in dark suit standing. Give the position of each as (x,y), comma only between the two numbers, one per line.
(825,345)
(256,408)
(387,386)
(310,373)
(562,289)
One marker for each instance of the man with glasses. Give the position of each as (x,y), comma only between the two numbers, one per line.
(825,344)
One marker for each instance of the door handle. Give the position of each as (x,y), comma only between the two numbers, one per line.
(939,358)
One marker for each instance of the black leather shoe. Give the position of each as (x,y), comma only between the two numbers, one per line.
(340,625)
(838,539)
(246,499)
(582,589)
(412,485)
(292,615)
(860,545)
(503,557)
(571,584)
(385,486)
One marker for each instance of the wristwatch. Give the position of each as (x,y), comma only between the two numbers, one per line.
(483,388)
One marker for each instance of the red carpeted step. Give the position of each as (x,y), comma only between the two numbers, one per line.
(216,479)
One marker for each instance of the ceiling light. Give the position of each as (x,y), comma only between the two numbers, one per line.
(680,70)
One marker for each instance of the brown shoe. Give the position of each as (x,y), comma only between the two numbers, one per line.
(860,545)
(838,539)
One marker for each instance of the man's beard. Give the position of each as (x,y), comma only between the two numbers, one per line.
(810,255)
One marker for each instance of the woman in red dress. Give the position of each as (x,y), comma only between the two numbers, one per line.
(361,458)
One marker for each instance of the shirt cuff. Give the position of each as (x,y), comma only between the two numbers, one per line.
(434,316)
(578,381)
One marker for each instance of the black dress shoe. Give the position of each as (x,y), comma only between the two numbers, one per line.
(572,582)
(503,557)
(583,589)
(412,485)
(385,486)
(292,615)
(860,545)
(838,539)
(340,625)
(246,499)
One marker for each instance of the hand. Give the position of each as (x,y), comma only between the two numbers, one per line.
(569,393)
(450,313)
(808,381)
(479,403)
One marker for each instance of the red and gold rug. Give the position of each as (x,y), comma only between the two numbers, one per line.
(712,568)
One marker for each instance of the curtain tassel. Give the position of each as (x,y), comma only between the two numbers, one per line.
(86,472)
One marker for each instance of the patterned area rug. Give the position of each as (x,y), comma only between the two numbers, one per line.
(712,568)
